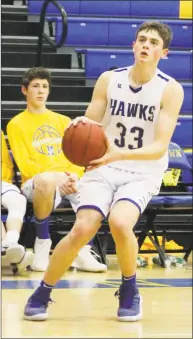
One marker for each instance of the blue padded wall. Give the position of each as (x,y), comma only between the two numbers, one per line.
(155,9)
(71,7)
(108,8)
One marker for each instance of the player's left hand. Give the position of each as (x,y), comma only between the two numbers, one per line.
(111,155)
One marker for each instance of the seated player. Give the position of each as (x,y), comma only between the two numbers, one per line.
(47,176)
(15,203)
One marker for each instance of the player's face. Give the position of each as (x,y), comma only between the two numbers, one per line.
(37,92)
(148,47)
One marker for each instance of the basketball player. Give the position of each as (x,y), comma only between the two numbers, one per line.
(138,107)
(47,176)
(15,203)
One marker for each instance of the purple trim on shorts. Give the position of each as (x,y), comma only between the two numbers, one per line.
(133,202)
(10,191)
(92,207)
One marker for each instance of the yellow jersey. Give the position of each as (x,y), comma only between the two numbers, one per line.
(35,140)
(6,162)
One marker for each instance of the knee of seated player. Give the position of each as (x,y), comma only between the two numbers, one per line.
(45,184)
(14,201)
(15,204)
(87,224)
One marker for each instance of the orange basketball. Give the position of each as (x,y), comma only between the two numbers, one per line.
(83,143)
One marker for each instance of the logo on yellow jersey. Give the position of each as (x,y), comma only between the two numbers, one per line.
(47,140)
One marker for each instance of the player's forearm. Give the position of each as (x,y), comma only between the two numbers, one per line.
(153,151)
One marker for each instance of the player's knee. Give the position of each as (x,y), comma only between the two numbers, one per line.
(44,184)
(14,200)
(80,232)
(17,207)
(119,228)
(86,225)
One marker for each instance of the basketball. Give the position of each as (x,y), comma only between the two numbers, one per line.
(83,143)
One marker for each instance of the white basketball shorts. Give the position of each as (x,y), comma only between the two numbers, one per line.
(101,188)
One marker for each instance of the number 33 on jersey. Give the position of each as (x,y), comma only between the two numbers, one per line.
(131,113)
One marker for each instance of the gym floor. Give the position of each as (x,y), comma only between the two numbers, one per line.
(85,306)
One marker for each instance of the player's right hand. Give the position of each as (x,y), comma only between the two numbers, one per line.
(68,186)
(83,120)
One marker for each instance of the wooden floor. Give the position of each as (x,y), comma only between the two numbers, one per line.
(85,306)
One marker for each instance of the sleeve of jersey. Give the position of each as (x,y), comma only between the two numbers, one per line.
(71,167)
(27,167)
(7,165)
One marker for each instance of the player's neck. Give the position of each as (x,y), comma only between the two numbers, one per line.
(36,109)
(140,75)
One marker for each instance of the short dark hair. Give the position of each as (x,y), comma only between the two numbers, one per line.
(36,73)
(163,30)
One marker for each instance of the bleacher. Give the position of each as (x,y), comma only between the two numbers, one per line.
(131,8)
(100,34)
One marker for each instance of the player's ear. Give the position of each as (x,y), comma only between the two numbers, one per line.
(24,90)
(165,53)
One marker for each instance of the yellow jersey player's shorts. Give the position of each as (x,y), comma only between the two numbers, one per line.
(28,189)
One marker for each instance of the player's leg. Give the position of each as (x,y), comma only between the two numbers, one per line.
(86,258)
(92,208)
(122,219)
(85,227)
(3,233)
(15,203)
(41,190)
(129,202)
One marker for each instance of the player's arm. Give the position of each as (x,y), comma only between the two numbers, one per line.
(6,160)
(97,107)
(27,166)
(7,164)
(98,104)
(171,104)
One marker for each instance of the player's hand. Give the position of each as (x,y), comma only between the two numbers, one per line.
(111,155)
(83,120)
(69,185)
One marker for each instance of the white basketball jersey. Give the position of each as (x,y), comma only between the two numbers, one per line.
(130,118)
